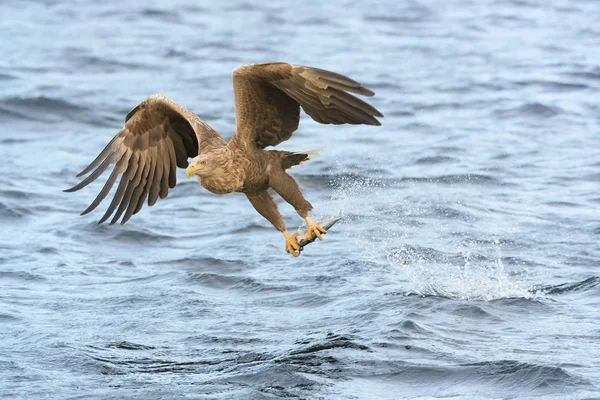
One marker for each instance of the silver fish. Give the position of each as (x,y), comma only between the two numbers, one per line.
(326,224)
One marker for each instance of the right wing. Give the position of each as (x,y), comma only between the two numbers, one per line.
(158,136)
(268,97)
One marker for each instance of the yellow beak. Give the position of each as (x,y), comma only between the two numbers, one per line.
(190,171)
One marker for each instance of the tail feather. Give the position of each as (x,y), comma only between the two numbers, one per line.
(295,159)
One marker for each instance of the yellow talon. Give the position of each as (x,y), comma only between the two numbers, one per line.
(291,243)
(313,227)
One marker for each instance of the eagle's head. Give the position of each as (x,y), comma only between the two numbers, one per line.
(202,165)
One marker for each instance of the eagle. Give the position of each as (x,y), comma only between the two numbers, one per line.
(160,135)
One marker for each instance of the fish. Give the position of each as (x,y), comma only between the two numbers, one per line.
(325,223)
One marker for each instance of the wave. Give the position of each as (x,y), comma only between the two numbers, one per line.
(565,288)
(207,264)
(521,375)
(9,212)
(124,345)
(555,86)
(592,74)
(537,110)
(139,235)
(4,317)
(332,341)
(21,276)
(431,160)
(7,77)
(46,109)
(42,103)
(82,61)
(17,194)
(163,15)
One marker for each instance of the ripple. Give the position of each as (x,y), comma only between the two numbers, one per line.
(431,160)
(213,281)
(4,317)
(207,264)
(7,115)
(154,365)
(411,13)
(7,77)
(135,235)
(592,74)
(452,213)
(518,377)
(17,194)
(128,346)
(297,300)
(92,63)
(537,110)
(10,212)
(565,288)
(333,341)
(563,204)
(410,328)
(21,276)
(475,312)
(46,109)
(554,86)
(472,179)
(521,375)
(163,15)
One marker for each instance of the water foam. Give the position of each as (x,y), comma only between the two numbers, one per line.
(470,282)
(462,274)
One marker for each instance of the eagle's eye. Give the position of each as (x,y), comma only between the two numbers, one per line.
(203,162)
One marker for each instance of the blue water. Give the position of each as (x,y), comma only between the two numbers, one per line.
(467,265)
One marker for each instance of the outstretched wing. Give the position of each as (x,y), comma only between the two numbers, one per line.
(268,98)
(158,136)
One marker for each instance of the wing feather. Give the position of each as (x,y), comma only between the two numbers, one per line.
(103,155)
(139,183)
(124,202)
(118,169)
(173,163)
(333,79)
(180,152)
(268,98)
(101,168)
(117,197)
(156,180)
(147,184)
(166,163)
(158,136)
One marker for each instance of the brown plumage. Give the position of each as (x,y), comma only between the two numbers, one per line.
(159,135)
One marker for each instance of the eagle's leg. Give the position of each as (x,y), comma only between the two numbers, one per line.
(313,227)
(264,204)
(287,188)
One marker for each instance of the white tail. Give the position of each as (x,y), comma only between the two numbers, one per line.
(310,153)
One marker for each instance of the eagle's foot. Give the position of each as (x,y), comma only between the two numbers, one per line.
(291,243)
(313,228)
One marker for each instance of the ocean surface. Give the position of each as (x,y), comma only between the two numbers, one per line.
(468,262)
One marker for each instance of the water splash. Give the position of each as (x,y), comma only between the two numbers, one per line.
(439,266)
(470,282)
